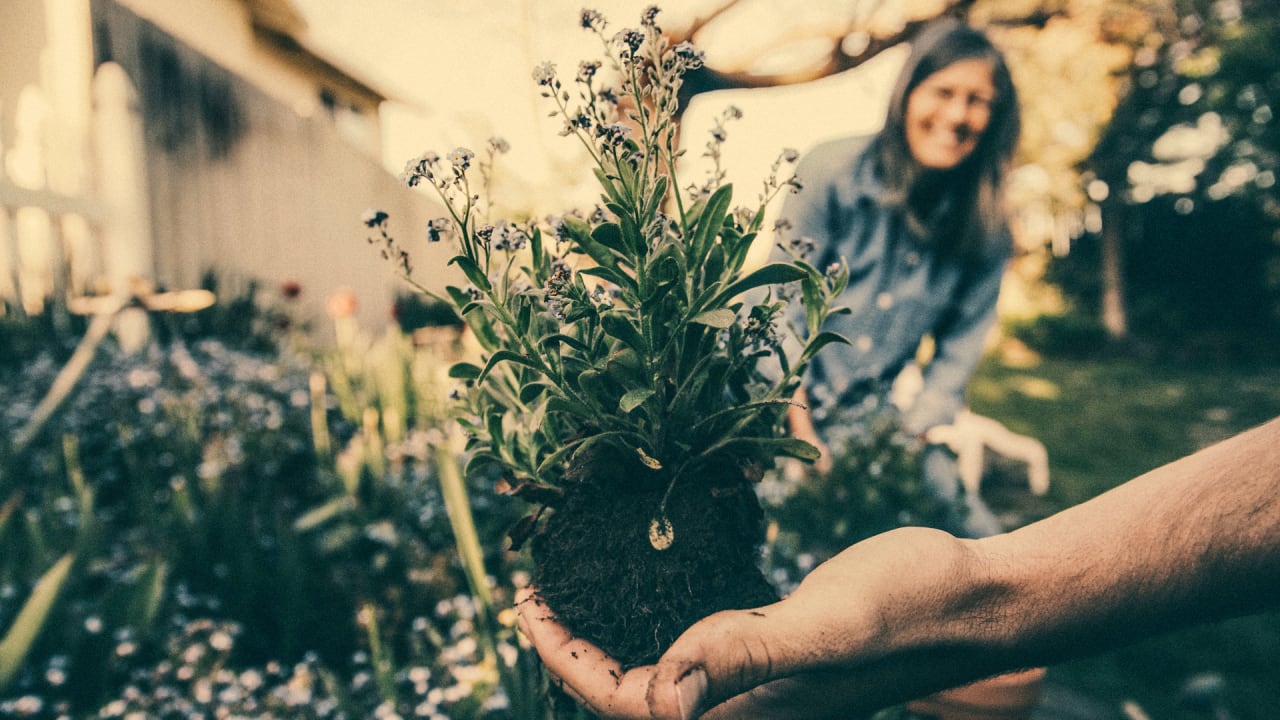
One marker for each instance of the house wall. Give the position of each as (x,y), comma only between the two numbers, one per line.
(22,36)
(222,31)
(239,183)
(126,153)
(44,173)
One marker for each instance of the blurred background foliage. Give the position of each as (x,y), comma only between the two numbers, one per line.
(234,521)
(220,504)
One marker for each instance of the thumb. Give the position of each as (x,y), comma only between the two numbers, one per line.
(720,657)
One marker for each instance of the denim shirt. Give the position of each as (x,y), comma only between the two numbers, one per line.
(899,291)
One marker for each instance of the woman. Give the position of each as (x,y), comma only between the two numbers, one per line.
(915,212)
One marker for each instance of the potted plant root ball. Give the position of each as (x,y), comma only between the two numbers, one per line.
(632,381)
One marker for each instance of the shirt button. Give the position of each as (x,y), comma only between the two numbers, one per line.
(884,301)
(913,258)
(863,343)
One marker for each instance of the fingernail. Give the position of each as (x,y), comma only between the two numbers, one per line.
(689,692)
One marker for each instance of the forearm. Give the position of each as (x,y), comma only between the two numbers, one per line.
(914,611)
(1193,541)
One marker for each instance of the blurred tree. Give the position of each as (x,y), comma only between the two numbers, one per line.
(1191,150)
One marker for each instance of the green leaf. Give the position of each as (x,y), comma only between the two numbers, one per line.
(771,274)
(632,236)
(580,234)
(613,275)
(610,235)
(593,385)
(710,221)
(617,325)
(597,439)
(738,247)
(713,269)
(563,339)
(607,184)
(634,399)
(774,446)
(820,341)
(560,454)
(624,366)
(475,318)
(464,371)
(472,271)
(493,426)
(321,514)
(523,318)
(656,197)
(738,413)
(26,626)
(569,407)
(666,275)
(479,460)
(150,593)
(719,318)
(539,257)
(457,295)
(812,296)
(530,392)
(505,356)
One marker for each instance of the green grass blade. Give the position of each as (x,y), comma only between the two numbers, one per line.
(26,627)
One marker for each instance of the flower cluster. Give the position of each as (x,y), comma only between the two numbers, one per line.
(614,332)
(390,249)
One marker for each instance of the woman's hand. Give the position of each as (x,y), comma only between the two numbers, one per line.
(800,424)
(822,652)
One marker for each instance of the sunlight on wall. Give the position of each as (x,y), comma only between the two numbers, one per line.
(466,75)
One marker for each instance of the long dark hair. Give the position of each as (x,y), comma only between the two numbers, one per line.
(958,209)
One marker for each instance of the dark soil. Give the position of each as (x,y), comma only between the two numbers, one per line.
(605,581)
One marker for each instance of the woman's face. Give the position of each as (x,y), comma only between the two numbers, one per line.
(948,112)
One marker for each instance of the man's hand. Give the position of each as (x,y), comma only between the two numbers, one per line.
(914,611)
(815,654)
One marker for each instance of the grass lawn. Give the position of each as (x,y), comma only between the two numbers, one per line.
(1105,421)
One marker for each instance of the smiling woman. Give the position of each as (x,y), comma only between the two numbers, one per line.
(915,212)
(948,112)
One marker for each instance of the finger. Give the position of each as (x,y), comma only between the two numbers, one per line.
(588,675)
(718,658)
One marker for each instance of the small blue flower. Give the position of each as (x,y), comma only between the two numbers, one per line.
(587,70)
(545,74)
(439,229)
(460,159)
(592,20)
(689,56)
(630,40)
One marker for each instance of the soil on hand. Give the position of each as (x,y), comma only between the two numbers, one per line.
(607,583)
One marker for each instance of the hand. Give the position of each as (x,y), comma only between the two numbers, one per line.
(825,651)
(800,423)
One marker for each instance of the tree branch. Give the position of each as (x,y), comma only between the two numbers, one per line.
(709,79)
